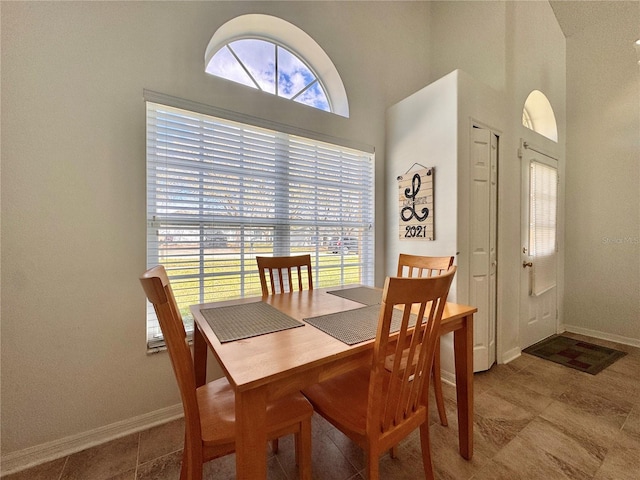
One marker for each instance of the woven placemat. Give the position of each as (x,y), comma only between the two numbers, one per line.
(355,326)
(364,295)
(246,320)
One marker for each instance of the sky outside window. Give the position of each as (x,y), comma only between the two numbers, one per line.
(258,63)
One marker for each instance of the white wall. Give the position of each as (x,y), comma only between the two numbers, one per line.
(73,181)
(603,175)
(423,129)
(513,48)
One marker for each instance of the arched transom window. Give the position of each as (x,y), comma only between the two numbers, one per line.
(271,68)
(276,57)
(537,115)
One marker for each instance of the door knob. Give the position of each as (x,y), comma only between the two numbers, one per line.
(527,264)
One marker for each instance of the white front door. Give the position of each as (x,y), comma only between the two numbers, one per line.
(483,259)
(538,282)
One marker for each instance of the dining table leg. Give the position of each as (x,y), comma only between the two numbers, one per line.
(463,347)
(251,434)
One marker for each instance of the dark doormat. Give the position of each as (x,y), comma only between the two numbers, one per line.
(573,353)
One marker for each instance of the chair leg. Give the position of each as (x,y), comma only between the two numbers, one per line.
(303,449)
(274,445)
(373,465)
(184,469)
(394,451)
(437,386)
(190,470)
(426,451)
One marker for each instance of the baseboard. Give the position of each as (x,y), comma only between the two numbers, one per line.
(634,342)
(32,456)
(511,355)
(448,377)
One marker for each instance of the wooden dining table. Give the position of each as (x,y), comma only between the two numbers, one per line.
(264,367)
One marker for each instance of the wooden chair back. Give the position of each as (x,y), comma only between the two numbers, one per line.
(282,271)
(155,283)
(399,380)
(421,266)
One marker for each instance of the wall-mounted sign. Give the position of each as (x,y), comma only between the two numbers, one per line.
(416,204)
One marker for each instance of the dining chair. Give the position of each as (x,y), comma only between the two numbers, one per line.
(281,271)
(209,410)
(421,266)
(379,404)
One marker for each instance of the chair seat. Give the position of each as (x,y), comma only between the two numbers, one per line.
(216,401)
(343,400)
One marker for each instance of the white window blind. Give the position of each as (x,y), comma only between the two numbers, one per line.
(542,225)
(221,192)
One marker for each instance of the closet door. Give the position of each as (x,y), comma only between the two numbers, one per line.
(483,255)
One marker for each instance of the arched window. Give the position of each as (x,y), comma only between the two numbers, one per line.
(270,68)
(276,57)
(526,119)
(537,115)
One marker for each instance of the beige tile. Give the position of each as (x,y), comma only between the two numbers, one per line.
(320,426)
(450,405)
(613,385)
(286,456)
(497,421)
(334,456)
(338,454)
(496,471)
(521,396)
(581,455)
(166,467)
(46,471)
(632,425)
(622,462)
(161,440)
(403,467)
(595,402)
(483,381)
(628,365)
(534,420)
(445,454)
(521,362)
(103,462)
(593,432)
(531,463)
(129,475)
(545,377)
(357,476)
(224,468)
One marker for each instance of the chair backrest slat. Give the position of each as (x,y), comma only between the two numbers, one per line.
(276,269)
(401,368)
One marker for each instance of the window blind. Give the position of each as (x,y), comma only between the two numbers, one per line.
(542,226)
(220,192)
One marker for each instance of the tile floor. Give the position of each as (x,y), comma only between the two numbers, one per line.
(534,420)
